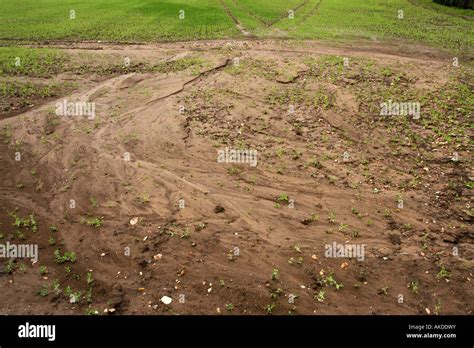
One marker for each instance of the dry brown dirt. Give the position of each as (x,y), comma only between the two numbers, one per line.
(249,240)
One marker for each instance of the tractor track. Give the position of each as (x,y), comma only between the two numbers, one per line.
(268,24)
(284,15)
(239,25)
(312,12)
(250,13)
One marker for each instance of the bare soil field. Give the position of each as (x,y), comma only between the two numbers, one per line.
(138,195)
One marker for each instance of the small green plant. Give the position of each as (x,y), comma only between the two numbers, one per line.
(275,274)
(67,257)
(315,164)
(92,311)
(89,278)
(34,225)
(229,307)
(399,198)
(298,261)
(356,212)
(233,171)
(21,267)
(386,72)
(414,286)
(320,296)
(43,291)
(94,202)
(274,294)
(20,235)
(93,222)
(89,294)
(269,308)
(56,286)
(27,222)
(332,217)
(9,267)
(331,281)
(297,248)
(185,234)
(437,308)
(283,198)
(342,227)
(443,273)
(19,222)
(200,226)
(424,241)
(312,218)
(43,270)
(145,198)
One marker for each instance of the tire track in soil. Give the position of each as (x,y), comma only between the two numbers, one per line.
(250,13)
(268,24)
(311,13)
(284,15)
(239,25)
(256,240)
(198,77)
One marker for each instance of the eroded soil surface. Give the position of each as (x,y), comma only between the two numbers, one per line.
(231,238)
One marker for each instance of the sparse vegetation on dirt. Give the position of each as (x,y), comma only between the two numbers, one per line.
(138,206)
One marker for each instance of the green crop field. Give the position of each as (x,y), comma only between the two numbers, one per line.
(159,20)
(118,20)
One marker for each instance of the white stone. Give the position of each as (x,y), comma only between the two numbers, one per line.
(166,300)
